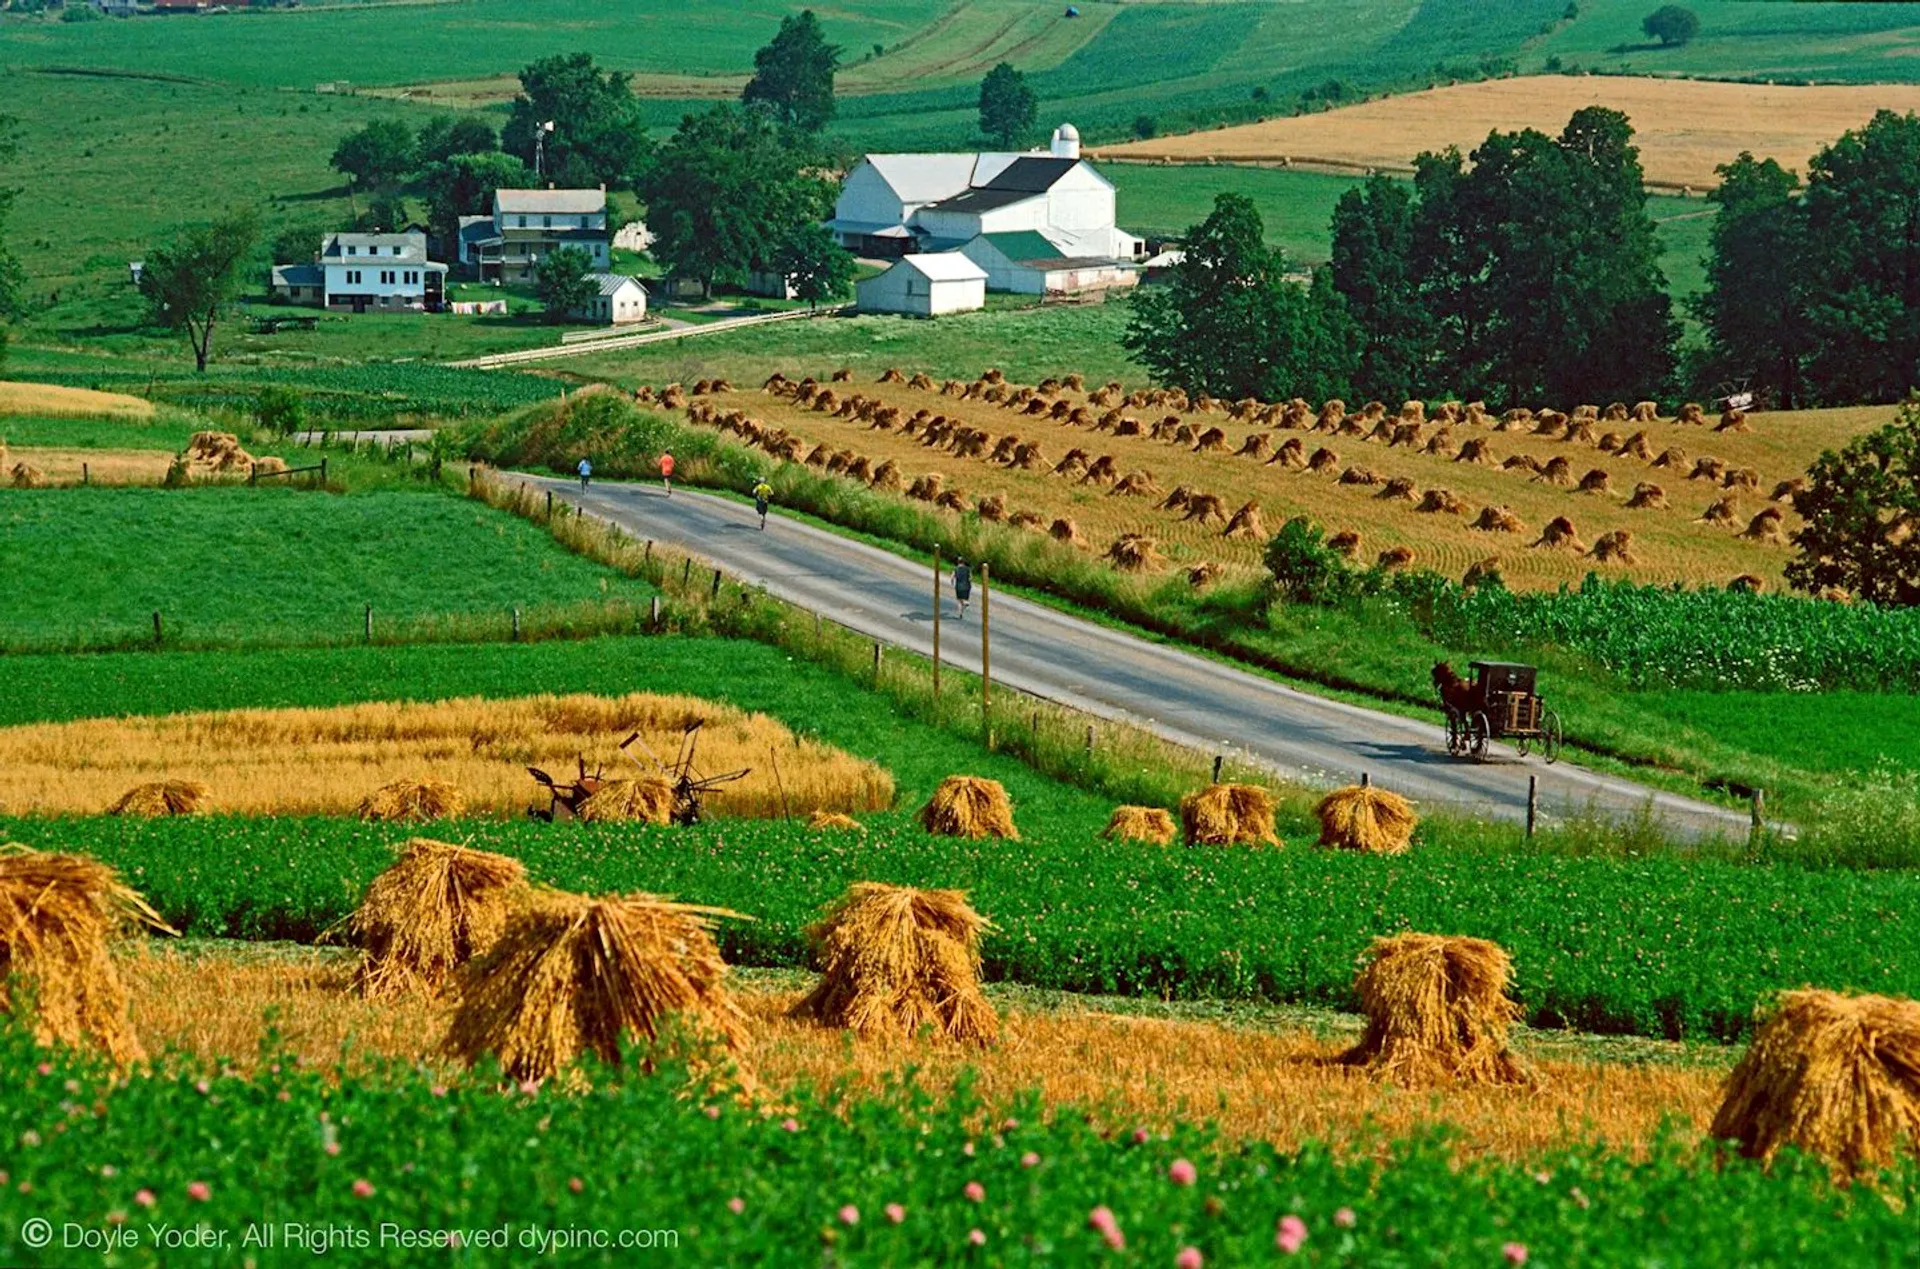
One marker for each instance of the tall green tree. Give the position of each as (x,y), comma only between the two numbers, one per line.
(598,135)
(444,136)
(815,266)
(1671,24)
(1008,107)
(1229,323)
(1862,513)
(1753,307)
(12,278)
(190,282)
(560,280)
(376,156)
(727,190)
(793,74)
(1861,263)
(1372,267)
(464,184)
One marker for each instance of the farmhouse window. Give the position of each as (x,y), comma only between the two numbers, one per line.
(353,251)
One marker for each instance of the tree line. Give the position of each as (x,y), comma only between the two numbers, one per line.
(1527,271)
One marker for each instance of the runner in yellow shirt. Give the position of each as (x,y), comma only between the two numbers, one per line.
(762,492)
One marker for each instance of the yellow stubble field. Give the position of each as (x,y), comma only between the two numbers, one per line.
(1684,128)
(1669,543)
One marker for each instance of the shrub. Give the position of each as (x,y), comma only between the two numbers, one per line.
(1304,568)
(280,410)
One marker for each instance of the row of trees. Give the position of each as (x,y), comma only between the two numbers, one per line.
(1528,272)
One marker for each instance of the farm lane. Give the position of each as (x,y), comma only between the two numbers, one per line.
(1184,697)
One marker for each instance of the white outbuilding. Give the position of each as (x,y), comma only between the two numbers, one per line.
(925,286)
(617,300)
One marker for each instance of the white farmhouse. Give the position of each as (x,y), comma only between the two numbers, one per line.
(895,204)
(1030,263)
(527,224)
(618,300)
(379,273)
(925,285)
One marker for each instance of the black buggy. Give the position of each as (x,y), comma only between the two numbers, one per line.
(1497,703)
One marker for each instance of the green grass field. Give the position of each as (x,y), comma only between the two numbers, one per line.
(1838,41)
(237,565)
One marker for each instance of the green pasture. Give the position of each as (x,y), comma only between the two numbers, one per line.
(1832,41)
(240,565)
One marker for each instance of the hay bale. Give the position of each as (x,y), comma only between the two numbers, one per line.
(1292,453)
(1025,520)
(834,821)
(1733,421)
(1360,476)
(269,465)
(921,381)
(1647,497)
(1442,502)
(1205,508)
(1345,542)
(894,960)
(1482,573)
(1245,523)
(1073,464)
(1515,419)
(1257,445)
(892,375)
(643,800)
(1747,584)
(1596,481)
(886,478)
(27,476)
(1205,573)
(1135,484)
(1364,818)
(1498,520)
(1786,489)
(1213,440)
(1615,546)
(1721,511)
(1645,412)
(1740,478)
(412,802)
(968,806)
(1437,1012)
(59,918)
(1522,462)
(992,508)
(860,469)
(1765,527)
(1672,457)
(1129,426)
(926,487)
(1831,1074)
(1475,449)
(1399,489)
(1709,469)
(1065,530)
(953,500)
(432,910)
(1101,471)
(1134,553)
(1150,824)
(1691,413)
(1413,411)
(1228,815)
(1323,459)
(1395,557)
(1558,471)
(1559,534)
(571,975)
(162,797)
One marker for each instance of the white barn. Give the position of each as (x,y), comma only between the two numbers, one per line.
(894,204)
(1030,263)
(925,286)
(618,300)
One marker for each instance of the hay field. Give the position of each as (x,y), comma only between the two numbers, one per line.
(99,466)
(1265,1080)
(324,761)
(1667,544)
(1684,128)
(49,399)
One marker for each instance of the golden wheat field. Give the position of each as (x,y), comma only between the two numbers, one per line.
(1684,128)
(1268,1081)
(1549,497)
(97,466)
(324,761)
(47,398)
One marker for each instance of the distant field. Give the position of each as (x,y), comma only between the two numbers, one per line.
(1684,128)
(1670,543)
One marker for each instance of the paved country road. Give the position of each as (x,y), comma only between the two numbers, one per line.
(1184,697)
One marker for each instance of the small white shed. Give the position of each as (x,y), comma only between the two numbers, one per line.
(925,286)
(618,300)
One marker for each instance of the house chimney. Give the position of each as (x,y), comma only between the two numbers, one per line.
(1066,142)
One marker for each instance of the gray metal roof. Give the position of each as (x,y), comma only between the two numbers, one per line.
(566,202)
(610,283)
(407,248)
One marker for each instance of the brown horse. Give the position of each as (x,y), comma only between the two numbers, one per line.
(1456,693)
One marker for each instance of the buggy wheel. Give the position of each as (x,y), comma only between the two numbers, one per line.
(1480,731)
(1550,735)
(1523,746)
(1456,734)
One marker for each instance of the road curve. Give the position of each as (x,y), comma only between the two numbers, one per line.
(1184,697)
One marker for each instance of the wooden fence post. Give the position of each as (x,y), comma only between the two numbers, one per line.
(1759,810)
(549,504)
(715,592)
(86,474)
(686,571)
(653,614)
(1217,759)
(1089,740)
(369,625)
(1533,803)
(516,625)
(323,473)
(876,661)
(1366,779)
(156,627)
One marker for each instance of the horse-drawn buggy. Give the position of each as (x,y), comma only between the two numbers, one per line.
(1497,703)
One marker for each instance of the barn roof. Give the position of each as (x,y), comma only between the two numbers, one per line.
(944,266)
